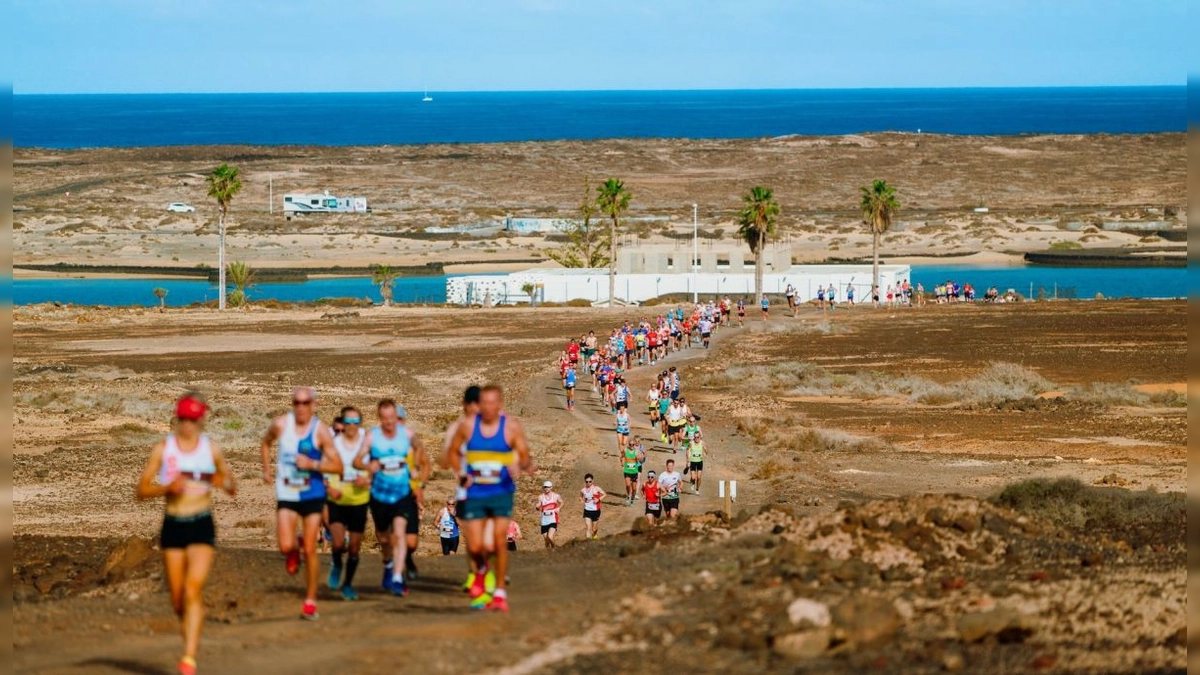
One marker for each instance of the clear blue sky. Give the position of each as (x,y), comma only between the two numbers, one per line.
(79,46)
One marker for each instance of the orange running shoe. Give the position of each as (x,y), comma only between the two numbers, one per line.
(187,666)
(292,561)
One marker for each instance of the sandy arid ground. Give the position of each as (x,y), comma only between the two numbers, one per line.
(107,206)
(873,530)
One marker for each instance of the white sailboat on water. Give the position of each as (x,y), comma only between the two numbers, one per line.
(427,97)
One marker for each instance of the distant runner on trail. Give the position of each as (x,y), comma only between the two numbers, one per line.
(448,531)
(347,498)
(590,497)
(668,487)
(653,496)
(631,466)
(569,379)
(497,453)
(305,452)
(549,505)
(184,468)
(695,454)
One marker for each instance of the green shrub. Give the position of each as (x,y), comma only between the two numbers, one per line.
(1140,518)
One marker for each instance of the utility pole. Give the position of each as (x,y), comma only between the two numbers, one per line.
(695,253)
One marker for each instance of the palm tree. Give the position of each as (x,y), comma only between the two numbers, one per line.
(161,294)
(613,199)
(530,289)
(384,276)
(878,206)
(223,186)
(756,221)
(241,275)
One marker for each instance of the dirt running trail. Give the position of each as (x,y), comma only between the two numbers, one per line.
(593,435)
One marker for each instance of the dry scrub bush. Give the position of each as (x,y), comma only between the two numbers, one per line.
(998,384)
(1140,518)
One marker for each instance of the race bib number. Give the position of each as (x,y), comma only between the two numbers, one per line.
(549,518)
(295,478)
(487,474)
(653,507)
(392,467)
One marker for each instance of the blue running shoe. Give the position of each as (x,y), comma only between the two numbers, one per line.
(399,588)
(348,593)
(335,577)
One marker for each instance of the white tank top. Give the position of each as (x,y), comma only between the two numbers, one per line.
(292,484)
(348,453)
(591,501)
(196,466)
(549,505)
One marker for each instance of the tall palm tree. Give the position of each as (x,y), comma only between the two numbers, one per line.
(612,199)
(223,186)
(879,205)
(384,276)
(241,275)
(161,294)
(756,221)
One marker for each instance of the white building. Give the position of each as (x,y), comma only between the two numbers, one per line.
(565,285)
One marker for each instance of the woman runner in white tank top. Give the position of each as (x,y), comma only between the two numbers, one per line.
(184,468)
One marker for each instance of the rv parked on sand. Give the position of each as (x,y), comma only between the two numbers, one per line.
(299,203)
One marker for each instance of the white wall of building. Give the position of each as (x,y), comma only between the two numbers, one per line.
(557,285)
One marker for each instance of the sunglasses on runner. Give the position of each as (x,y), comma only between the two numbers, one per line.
(352,420)
(296,401)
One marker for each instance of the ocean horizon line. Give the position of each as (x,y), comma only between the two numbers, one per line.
(1045,87)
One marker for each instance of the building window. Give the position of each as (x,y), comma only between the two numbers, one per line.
(722,262)
(670,263)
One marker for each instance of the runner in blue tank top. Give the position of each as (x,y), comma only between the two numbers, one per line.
(305,452)
(395,495)
(497,453)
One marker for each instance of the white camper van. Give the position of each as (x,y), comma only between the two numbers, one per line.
(299,203)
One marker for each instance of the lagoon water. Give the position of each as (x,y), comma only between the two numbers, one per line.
(139,120)
(1077,282)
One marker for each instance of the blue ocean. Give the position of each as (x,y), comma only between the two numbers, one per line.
(134,120)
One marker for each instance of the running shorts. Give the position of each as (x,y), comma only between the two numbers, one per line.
(547,528)
(670,504)
(706,335)
(696,466)
(384,514)
(305,508)
(449,545)
(353,517)
(498,506)
(460,509)
(674,428)
(413,524)
(632,475)
(181,532)
(512,545)
(654,510)
(593,516)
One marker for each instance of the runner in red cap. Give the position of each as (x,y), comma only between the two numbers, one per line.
(184,468)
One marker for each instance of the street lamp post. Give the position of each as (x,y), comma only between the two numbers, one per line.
(695,253)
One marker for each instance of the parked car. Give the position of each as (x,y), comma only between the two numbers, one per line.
(180,207)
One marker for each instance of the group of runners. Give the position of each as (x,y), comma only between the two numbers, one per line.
(643,344)
(332,477)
